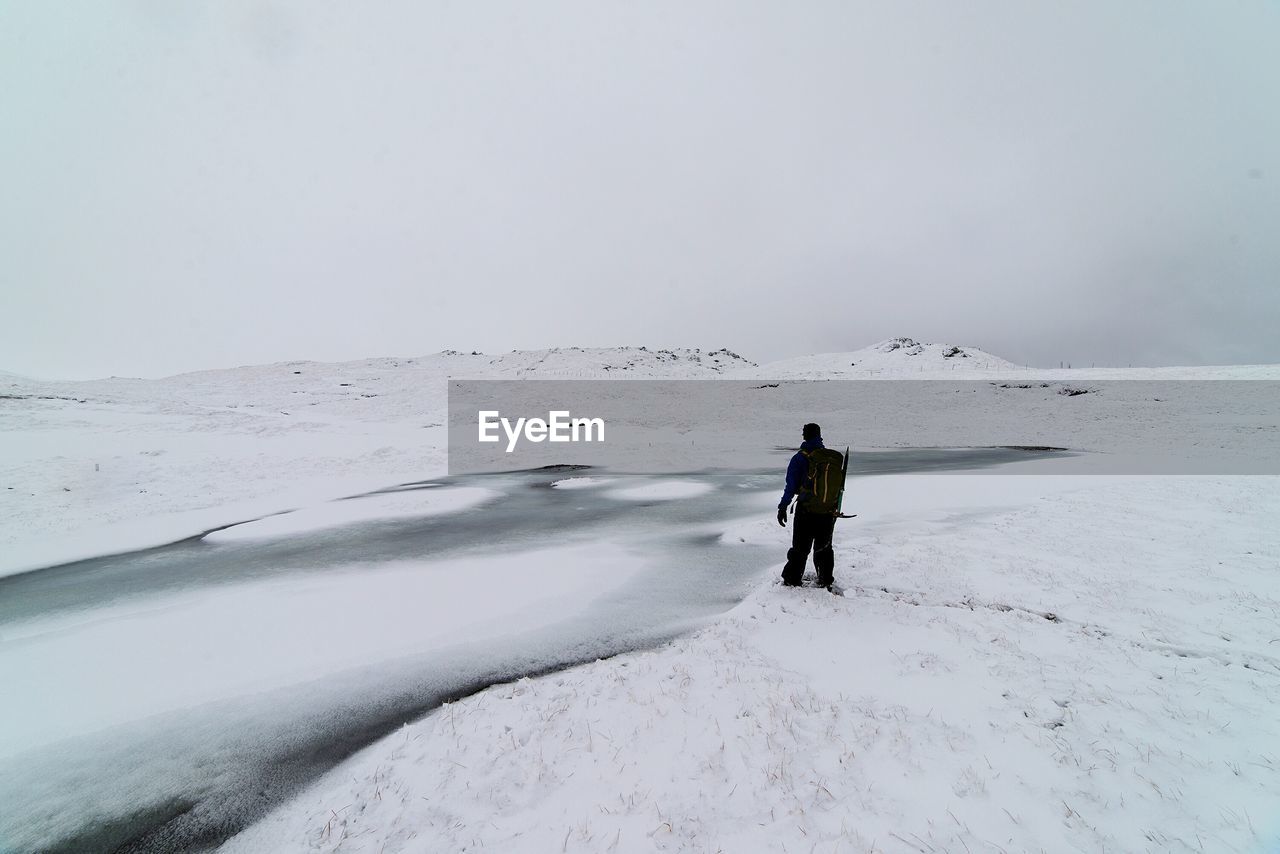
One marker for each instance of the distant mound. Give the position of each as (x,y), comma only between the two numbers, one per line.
(615,362)
(15,385)
(566,362)
(379,389)
(898,348)
(903,357)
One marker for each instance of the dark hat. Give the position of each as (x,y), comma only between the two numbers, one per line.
(812,431)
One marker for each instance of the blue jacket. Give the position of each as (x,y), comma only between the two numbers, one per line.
(798,470)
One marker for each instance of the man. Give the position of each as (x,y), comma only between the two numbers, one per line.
(816,476)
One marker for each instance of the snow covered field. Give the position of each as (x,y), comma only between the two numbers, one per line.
(1020,664)
(1094,671)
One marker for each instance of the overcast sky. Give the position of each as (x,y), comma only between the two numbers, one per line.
(207,184)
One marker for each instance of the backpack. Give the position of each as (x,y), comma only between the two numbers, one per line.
(825,481)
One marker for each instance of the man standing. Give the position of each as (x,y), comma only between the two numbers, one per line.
(816,476)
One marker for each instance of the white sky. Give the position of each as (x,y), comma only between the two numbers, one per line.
(204,184)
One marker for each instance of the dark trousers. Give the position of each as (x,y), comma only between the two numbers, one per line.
(810,530)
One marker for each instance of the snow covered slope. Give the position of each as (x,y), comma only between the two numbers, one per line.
(905,358)
(896,357)
(612,363)
(979,688)
(328,384)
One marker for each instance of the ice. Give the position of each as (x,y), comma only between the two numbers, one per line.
(661,490)
(401,505)
(215,643)
(582,482)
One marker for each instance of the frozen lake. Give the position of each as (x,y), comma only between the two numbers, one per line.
(168,697)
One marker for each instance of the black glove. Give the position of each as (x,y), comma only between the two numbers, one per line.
(782,515)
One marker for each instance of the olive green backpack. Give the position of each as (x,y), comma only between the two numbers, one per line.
(825,481)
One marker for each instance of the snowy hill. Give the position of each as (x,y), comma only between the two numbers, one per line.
(290,377)
(386,387)
(906,358)
(612,363)
(895,357)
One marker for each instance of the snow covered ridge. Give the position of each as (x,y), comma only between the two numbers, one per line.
(618,362)
(563,362)
(894,356)
(904,356)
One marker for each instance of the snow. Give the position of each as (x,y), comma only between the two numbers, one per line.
(582,482)
(370,508)
(313,626)
(896,357)
(1019,663)
(612,363)
(60,536)
(661,490)
(119,464)
(904,358)
(1029,679)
